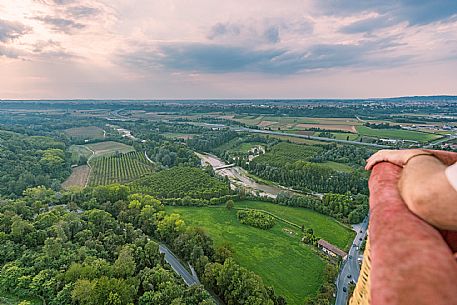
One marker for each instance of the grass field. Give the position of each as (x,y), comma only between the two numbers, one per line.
(277,255)
(90,132)
(323,226)
(119,169)
(397,134)
(78,151)
(344,136)
(337,166)
(109,148)
(236,145)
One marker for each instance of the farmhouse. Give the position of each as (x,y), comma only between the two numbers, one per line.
(330,249)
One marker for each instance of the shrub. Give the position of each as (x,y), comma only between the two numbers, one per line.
(256,219)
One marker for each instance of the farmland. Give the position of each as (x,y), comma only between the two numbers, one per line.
(78,178)
(277,255)
(120,168)
(90,132)
(397,134)
(109,148)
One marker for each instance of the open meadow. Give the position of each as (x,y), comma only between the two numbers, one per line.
(323,226)
(294,269)
(397,134)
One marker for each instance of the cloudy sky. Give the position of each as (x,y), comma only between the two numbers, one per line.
(150,49)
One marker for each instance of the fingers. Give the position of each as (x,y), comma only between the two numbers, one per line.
(380,156)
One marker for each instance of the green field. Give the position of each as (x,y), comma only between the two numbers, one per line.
(341,167)
(89,132)
(397,134)
(344,136)
(119,168)
(277,255)
(109,148)
(288,153)
(78,151)
(323,226)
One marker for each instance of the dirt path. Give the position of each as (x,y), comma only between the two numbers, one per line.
(88,165)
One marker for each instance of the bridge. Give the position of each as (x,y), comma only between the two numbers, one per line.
(224,166)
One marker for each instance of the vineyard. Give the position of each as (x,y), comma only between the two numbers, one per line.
(120,168)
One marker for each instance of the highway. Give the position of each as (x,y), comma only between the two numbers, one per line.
(350,267)
(177,266)
(307,137)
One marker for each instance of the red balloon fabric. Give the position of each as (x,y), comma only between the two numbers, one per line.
(411,261)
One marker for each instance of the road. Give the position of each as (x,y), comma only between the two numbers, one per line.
(177,266)
(307,137)
(350,267)
(188,278)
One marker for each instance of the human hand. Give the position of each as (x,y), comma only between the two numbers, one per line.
(397,157)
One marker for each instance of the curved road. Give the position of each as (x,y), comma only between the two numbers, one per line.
(176,265)
(350,269)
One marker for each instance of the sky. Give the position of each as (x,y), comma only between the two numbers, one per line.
(205,49)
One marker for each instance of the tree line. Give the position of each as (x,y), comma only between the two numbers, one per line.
(347,208)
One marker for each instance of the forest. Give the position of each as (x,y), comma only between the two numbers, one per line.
(100,246)
(27,161)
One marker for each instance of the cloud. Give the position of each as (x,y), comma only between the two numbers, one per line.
(61,24)
(10,30)
(249,32)
(9,52)
(213,58)
(415,12)
(368,25)
(209,58)
(272,34)
(82,11)
(223,29)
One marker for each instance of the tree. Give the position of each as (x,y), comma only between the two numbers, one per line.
(230,204)
(124,266)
